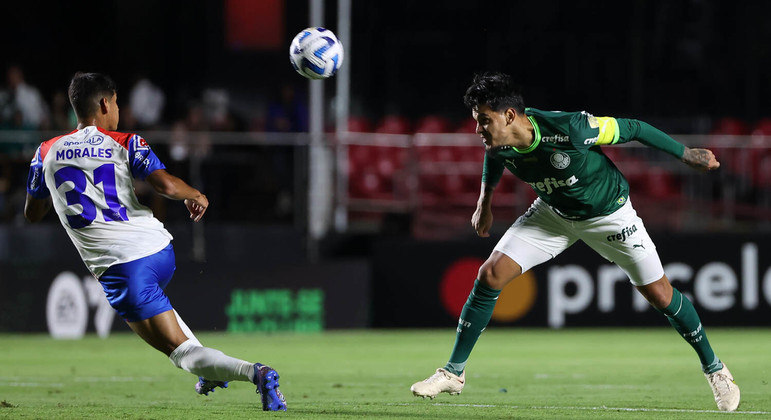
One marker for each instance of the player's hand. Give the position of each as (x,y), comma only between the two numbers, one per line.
(197,206)
(702,159)
(482,220)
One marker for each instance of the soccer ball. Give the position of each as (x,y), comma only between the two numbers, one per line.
(316,53)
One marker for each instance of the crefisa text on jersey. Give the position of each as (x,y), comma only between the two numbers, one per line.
(547,184)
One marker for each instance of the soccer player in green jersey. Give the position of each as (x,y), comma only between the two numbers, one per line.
(581,196)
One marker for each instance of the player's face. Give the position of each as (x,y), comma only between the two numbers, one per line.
(491,126)
(113,113)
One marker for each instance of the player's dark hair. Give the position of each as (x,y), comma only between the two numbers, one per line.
(87,89)
(495,90)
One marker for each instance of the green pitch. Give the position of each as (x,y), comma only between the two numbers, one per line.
(522,373)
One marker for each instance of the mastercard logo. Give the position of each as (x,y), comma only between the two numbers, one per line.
(515,301)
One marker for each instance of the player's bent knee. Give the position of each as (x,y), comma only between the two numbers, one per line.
(659,300)
(657,293)
(498,271)
(492,277)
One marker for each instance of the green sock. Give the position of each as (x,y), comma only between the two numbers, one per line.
(473,320)
(682,315)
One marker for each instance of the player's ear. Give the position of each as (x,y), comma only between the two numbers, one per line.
(511,115)
(104,105)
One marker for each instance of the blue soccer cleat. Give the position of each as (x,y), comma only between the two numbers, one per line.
(266,379)
(204,386)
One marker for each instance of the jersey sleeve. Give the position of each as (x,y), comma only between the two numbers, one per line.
(586,130)
(142,159)
(591,130)
(492,171)
(36,181)
(648,135)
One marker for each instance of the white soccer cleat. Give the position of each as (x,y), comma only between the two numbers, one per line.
(724,388)
(441,381)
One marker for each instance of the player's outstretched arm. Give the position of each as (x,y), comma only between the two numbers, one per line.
(482,219)
(702,159)
(174,188)
(36,208)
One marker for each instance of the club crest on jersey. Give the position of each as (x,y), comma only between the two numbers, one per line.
(140,143)
(560,160)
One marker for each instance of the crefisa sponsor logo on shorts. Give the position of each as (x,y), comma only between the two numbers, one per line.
(623,235)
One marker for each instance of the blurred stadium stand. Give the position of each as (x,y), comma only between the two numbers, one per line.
(429,179)
(394,124)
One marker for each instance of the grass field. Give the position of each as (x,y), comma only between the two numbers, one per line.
(513,373)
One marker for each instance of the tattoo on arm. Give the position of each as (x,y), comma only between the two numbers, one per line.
(698,158)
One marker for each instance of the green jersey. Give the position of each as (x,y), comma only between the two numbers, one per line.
(565,165)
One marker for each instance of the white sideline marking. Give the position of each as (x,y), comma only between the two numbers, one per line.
(601,408)
(91,378)
(115,379)
(611,386)
(31,384)
(558,376)
(30,381)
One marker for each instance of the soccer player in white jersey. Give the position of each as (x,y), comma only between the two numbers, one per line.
(581,196)
(87,174)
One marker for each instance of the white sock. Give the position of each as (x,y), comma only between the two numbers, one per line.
(185,329)
(209,363)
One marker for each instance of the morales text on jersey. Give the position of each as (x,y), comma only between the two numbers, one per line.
(87,152)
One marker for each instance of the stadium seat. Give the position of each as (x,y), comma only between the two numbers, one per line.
(433,124)
(467,126)
(451,185)
(359,124)
(359,157)
(761,153)
(430,188)
(388,160)
(763,174)
(368,184)
(393,124)
(730,126)
(436,153)
(735,157)
(762,127)
(470,154)
(661,184)
(374,170)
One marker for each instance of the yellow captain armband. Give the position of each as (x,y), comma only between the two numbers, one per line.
(609,132)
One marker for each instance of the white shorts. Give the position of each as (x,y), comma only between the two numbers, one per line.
(541,234)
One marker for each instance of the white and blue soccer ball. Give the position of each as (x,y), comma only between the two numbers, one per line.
(316,53)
